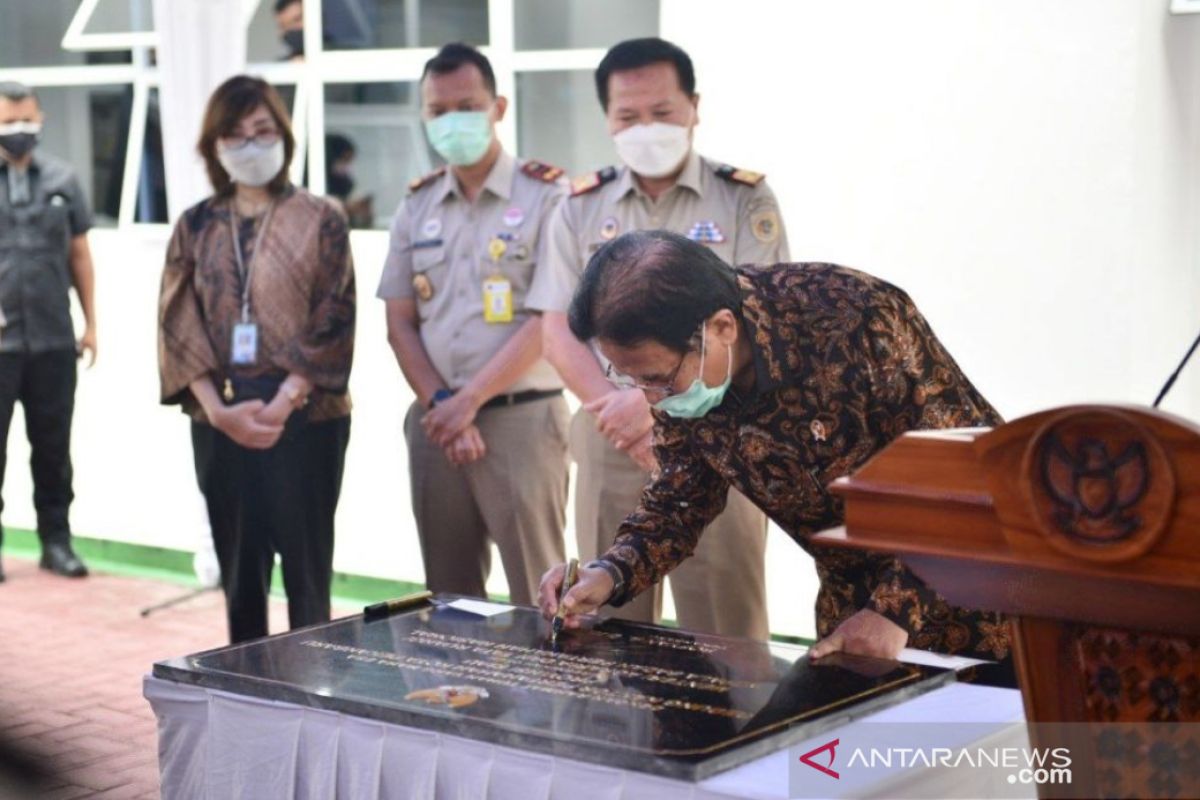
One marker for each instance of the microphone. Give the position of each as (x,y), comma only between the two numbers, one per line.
(1171,380)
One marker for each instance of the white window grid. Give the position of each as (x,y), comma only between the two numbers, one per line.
(320,67)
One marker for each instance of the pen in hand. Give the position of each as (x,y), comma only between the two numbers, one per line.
(569,578)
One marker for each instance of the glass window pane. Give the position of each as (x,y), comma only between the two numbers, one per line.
(559,121)
(88,127)
(566,24)
(120,16)
(152,176)
(374,146)
(266,38)
(352,24)
(31,35)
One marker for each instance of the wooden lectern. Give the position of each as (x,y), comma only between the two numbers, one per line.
(1083,523)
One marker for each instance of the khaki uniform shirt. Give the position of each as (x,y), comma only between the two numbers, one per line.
(441,253)
(732,211)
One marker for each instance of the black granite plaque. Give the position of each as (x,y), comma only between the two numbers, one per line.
(635,696)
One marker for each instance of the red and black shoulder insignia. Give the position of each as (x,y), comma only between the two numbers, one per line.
(425,180)
(592,181)
(742,176)
(541,171)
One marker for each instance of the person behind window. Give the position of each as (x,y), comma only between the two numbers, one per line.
(44,220)
(340,153)
(289,17)
(256,336)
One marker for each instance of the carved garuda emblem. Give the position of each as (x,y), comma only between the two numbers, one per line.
(1095,493)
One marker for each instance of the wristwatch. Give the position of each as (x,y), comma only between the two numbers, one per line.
(614,572)
(439,396)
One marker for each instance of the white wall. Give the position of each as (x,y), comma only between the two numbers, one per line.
(1026,170)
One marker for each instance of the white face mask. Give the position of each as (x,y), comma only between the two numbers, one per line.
(653,150)
(252,164)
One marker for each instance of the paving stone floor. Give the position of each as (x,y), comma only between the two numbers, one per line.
(72,657)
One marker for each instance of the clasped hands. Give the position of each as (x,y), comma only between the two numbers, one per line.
(451,426)
(623,418)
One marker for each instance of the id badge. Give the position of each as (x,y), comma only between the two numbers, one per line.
(245,343)
(497,300)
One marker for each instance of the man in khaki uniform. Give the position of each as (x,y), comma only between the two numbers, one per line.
(647,90)
(487,436)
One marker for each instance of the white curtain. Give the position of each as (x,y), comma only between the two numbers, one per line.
(201,43)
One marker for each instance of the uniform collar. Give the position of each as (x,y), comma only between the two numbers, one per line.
(499,181)
(691,178)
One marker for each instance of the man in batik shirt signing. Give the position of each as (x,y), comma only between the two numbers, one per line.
(773,381)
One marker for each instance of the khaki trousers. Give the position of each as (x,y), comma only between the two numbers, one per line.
(515,496)
(721,589)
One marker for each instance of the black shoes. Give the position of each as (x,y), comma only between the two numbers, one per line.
(61,560)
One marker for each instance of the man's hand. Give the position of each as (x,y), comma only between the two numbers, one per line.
(592,588)
(87,344)
(466,448)
(867,633)
(449,418)
(240,423)
(642,452)
(622,416)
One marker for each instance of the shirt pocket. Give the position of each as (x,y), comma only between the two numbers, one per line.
(54,222)
(430,278)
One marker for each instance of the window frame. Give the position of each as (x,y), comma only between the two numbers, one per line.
(320,68)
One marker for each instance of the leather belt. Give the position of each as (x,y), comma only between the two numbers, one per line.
(521,397)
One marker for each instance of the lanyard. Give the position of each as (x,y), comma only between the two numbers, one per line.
(244,268)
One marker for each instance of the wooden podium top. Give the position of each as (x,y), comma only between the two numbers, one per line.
(1085,514)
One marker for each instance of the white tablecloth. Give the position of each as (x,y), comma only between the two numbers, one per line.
(214,744)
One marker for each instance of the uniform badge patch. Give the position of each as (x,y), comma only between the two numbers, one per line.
(765,226)
(513,217)
(609,228)
(423,287)
(431,228)
(706,232)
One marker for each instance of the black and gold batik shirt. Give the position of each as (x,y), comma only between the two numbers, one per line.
(844,364)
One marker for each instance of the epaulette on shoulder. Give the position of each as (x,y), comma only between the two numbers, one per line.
(592,181)
(425,180)
(541,171)
(742,176)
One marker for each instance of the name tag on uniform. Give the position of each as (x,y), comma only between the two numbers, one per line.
(245,343)
(497,299)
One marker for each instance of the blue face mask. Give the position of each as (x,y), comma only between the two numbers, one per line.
(460,137)
(699,399)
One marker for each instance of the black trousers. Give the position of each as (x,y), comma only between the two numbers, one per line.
(44,383)
(263,502)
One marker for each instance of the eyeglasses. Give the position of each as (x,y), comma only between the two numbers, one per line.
(622,381)
(261,139)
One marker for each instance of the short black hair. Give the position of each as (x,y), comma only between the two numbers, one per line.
(651,286)
(456,54)
(634,53)
(280,5)
(337,146)
(16,92)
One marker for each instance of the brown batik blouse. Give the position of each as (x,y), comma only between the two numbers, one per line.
(844,363)
(301,293)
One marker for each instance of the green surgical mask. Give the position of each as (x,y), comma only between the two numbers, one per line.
(460,137)
(699,399)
